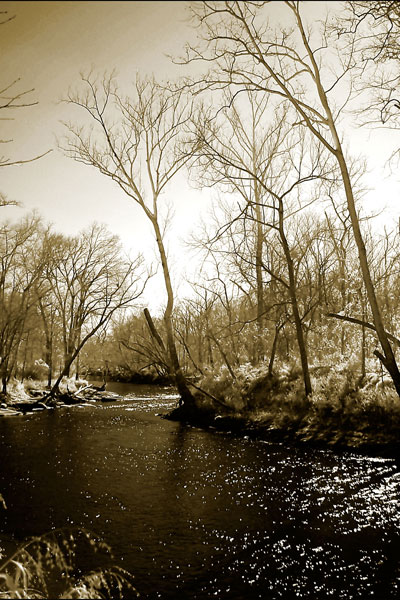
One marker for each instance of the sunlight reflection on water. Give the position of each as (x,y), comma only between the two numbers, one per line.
(199,515)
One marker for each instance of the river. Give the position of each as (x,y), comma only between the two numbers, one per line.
(197,514)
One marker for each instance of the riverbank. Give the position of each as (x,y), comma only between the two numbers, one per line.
(341,414)
(364,420)
(34,396)
(338,433)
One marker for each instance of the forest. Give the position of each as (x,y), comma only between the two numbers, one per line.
(297,289)
(287,333)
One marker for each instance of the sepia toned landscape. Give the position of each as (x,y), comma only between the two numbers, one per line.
(199,300)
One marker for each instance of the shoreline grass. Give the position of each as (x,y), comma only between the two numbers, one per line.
(344,412)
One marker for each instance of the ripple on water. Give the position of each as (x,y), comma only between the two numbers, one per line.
(198,515)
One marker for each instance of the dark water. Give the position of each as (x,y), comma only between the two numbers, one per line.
(197,514)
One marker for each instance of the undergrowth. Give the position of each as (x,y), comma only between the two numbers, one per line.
(48,566)
(342,408)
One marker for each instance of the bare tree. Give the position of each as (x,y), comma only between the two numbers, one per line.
(49,318)
(268,167)
(290,63)
(11,98)
(22,257)
(244,145)
(140,142)
(90,280)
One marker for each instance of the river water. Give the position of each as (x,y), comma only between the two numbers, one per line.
(200,514)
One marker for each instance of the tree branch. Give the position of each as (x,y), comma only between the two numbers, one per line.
(363,324)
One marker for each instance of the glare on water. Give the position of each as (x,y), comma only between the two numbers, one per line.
(200,514)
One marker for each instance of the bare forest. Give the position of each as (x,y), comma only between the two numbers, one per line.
(290,318)
(294,279)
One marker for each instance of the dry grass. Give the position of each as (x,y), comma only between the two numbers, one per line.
(46,567)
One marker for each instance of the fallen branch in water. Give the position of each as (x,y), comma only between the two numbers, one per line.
(209,395)
(84,387)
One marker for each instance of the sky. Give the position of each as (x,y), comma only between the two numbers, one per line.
(47,45)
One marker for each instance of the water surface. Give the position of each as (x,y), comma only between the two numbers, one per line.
(200,514)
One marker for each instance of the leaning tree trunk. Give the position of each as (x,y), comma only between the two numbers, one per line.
(48,332)
(49,360)
(176,371)
(387,358)
(259,278)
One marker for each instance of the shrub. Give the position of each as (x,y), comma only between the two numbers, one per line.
(342,408)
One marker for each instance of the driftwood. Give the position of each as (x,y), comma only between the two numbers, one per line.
(213,398)
(24,407)
(81,389)
(91,393)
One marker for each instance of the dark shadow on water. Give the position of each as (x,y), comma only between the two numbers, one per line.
(202,514)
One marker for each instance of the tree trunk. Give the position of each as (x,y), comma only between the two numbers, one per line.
(295,308)
(388,358)
(78,368)
(67,363)
(25,359)
(49,360)
(153,329)
(273,349)
(186,396)
(77,362)
(259,281)
(48,331)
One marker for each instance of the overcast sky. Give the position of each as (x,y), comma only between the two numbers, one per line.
(47,45)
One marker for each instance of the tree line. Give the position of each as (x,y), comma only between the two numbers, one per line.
(293,271)
(56,292)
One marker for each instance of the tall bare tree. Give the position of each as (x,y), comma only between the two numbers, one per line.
(244,147)
(140,142)
(267,164)
(23,252)
(291,63)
